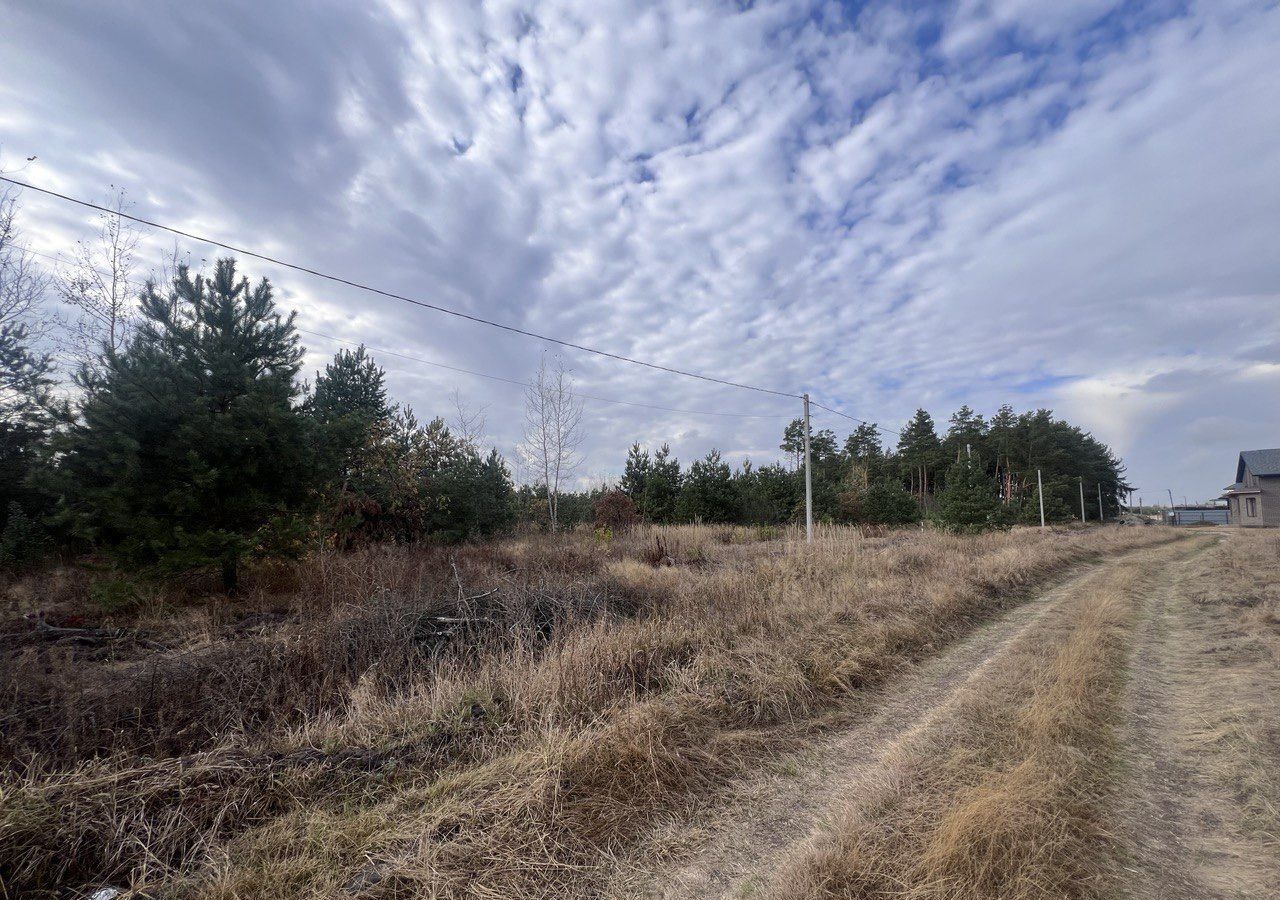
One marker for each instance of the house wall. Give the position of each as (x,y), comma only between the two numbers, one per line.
(1268,502)
(1270,485)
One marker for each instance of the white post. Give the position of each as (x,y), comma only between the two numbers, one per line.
(1040,487)
(1102,517)
(1082,516)
(808,478)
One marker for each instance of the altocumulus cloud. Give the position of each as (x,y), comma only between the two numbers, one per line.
(891,205)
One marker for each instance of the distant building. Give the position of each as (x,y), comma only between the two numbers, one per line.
(1197,514)
(1254,499)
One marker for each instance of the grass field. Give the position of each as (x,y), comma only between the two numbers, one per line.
(487,721)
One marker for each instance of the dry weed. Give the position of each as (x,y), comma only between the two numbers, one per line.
(508,760)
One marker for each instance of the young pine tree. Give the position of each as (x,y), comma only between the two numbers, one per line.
(635,477)
(662,487)
(189,444)
(28,414)
(970,501)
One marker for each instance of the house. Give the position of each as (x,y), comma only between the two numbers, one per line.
(1254,499)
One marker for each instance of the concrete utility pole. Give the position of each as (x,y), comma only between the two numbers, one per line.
(1040,490)
(1102,517)
(808,477)
(1082,515)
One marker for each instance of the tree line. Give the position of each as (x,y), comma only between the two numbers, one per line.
(189,440)
(980,473)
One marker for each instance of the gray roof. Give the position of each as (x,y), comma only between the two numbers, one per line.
(1260,462)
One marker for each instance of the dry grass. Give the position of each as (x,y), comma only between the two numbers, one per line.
(507,760)
(1236,740)
(1001,795)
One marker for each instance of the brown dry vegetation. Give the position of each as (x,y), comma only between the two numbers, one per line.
(1002,795)
(354,741)
(1204,745)
(1240,587)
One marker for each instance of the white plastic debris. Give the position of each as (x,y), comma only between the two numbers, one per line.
(106,893)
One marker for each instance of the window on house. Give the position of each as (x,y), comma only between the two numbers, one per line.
(1252,505)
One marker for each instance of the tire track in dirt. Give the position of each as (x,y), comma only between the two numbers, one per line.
(731,849)
(1180,827)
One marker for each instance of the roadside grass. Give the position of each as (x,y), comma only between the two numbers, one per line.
(608,683)
(1002,795)
(1236,590)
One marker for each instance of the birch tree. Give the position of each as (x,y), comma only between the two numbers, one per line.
(552,431)
(99,284)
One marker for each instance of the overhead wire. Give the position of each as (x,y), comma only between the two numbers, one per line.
(338,279)
(451,368)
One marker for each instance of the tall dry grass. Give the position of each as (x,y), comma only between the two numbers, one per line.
(1002,794)
(507,760)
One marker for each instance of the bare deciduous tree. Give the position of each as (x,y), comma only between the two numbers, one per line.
(99,283)
(552,431)
(469,423)
(22,281)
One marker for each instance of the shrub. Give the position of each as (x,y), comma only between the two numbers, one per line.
(615,511)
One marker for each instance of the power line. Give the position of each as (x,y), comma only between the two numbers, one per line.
(855,418)
(428,362)
(463,315)
(337,279)
(440,365)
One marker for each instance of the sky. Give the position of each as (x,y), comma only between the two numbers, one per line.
(890,205)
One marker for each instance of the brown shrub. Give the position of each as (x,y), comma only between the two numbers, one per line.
(616,511)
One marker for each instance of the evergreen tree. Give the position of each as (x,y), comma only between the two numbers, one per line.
(970,501)
(707,492)
(21,540)
(27,417)
(865,455)
(769,495)
(967,434)
(919,452)
(887,503)
(348,405)
(635,477)
(189,443)
(793,442)
(662,487)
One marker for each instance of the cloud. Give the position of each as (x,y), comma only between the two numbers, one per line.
(1069,205)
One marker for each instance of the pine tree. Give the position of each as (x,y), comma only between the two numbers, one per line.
(970,501)
(348,405)
(662,487)
(706,492)
(21,540)
(919,451)
(967,434)
(189,443)
(793,441)
(28,414)
(636,476)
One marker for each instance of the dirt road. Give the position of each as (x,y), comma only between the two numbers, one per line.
(1169,845)
(1195,680)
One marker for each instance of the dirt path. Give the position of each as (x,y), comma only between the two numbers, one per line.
(730,851)
(1181,822)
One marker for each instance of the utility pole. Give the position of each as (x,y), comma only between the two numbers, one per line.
(1173,520)
(808,477)
(1040,490)
(1082,516)
(1102,516)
